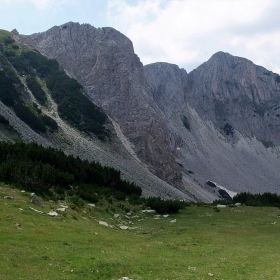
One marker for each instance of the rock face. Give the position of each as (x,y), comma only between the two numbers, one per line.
(220,122)
(104,62)
(228,90)
(225,116)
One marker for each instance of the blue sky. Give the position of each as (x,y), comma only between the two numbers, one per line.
(183,32)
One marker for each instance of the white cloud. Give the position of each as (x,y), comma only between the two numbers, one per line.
(188,32)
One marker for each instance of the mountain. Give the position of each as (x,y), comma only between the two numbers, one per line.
(104,62)
(197,135)
(40,103)
(228,131)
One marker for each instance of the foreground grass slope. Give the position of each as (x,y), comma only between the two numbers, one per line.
(235,243)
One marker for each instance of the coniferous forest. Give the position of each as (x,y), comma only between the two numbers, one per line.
(42,169)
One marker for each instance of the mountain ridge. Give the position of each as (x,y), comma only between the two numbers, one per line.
(112,77)
(219,122)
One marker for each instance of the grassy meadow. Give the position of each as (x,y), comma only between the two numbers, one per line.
(234,243)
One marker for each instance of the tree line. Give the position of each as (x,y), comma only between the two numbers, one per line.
(265,199)
(40,169)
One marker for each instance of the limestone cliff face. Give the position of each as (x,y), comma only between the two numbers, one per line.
(222,116)
(221,122)
(168,83)
(229,89)
(104,62)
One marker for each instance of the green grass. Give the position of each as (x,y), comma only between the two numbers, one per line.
(235,243)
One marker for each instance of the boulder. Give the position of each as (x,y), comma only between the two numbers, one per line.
(35,200)
(124,227)
(221,206)
(8,197)
(53,213)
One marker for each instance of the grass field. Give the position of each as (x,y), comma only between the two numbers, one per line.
(235,243)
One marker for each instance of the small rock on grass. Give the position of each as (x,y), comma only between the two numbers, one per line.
(124,227)
(53,213)
(8,197)
(149,211)
(221,206)
(103,223)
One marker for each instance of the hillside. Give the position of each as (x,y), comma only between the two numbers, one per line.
(218,123)
(169,131)
(88,242)
(40,103)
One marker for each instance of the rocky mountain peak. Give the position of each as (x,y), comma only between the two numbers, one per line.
(219,122)
(104,62)
(168,84)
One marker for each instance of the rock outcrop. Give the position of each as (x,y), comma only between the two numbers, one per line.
(225,116)
(220,122)
(234,93)
(104,62)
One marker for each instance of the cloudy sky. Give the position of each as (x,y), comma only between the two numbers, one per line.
(183,32)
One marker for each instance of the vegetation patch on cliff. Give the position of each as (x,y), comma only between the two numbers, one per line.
(73,105)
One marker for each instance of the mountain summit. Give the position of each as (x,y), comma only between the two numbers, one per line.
(218,123)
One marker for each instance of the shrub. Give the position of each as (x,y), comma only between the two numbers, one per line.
(119,195)
(8,40)
(36,89)
(228,129)
(164,206)
(25,114)
(48,121)
(9,95)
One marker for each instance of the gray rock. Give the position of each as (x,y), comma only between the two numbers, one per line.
(53,213)
(173,221)
(149,211)
(8,197)
(103,223)
(37,211)
(124,227)
(221,206)
(116,216)
(35,200)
